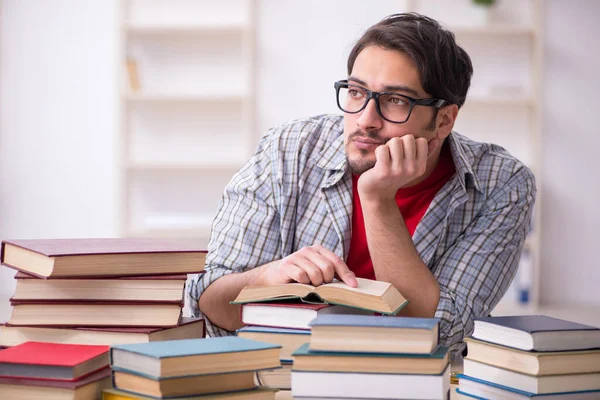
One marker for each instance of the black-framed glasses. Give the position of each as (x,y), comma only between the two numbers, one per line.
(392,107)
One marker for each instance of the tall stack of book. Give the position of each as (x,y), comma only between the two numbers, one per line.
(529,357)
(286,321)
(38,370)
(215,368)
(99,291)
(372,357)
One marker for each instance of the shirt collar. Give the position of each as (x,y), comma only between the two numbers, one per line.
(463,161)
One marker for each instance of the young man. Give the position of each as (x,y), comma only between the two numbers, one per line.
(386,192)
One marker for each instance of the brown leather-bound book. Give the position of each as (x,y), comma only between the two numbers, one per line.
(188,328)
(95,314)
(60,258)
(156,288)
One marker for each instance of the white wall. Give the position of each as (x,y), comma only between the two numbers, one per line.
(57,122)
(58,117)
(571,184)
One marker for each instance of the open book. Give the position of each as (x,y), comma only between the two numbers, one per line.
(370,295)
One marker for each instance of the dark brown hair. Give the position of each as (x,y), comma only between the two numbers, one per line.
(445,68)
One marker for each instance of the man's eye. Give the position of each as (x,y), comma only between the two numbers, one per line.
(354,93)
(397,101)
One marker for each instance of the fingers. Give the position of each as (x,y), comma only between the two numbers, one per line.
(316,265)
(340,267)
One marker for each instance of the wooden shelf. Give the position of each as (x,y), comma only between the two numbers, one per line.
(182,166)
(184,97)
(201,29)
(499,101)
(493,30)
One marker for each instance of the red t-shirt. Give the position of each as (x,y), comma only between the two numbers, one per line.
(413,201)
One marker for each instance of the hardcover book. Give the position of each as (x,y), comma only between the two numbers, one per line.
(52,258)
(53,361)
(180,358)
(188,328)
(290,314)
(537,332)
(378,334)
(374,296)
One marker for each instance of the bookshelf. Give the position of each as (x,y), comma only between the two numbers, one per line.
(504,102)
(188,125)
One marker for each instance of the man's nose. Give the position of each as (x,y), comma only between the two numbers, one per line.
(369,118)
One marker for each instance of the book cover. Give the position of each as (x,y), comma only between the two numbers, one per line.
(76,247)
(536,323)
(56,354)
(60,258)
(268,329)
(192,347)
(536,333)
(102,374)
(374,321)
(440,352)
(476,388)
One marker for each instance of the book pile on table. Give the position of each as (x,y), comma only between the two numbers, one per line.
(99,291)
(39,370)
(531,356)
(214,368)
(287,322)
(372,357)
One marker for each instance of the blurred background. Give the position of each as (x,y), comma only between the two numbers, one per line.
(128,117)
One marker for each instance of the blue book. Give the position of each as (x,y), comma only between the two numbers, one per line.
(289,339)
(179,358)
(480,389)
(378,363)
(377,334)
(537,333)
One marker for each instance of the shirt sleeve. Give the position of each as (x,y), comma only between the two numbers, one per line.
(245,232)
(475,272)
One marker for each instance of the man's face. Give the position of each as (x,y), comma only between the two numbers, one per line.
(383,70)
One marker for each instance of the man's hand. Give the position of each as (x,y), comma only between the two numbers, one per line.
(313,265)
(398,162)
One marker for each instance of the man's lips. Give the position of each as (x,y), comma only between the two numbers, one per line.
(366,144)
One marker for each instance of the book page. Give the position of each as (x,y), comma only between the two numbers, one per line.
(367,286)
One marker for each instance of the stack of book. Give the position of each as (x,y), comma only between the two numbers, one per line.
(372,357)
(531,356)
(99,291)
(216,368)
(286,321)
(38,370)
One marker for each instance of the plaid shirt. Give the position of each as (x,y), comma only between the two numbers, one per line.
(296,191)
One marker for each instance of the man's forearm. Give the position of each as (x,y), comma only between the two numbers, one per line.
(214,302)
(396,260)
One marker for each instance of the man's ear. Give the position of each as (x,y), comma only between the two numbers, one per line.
(445,120)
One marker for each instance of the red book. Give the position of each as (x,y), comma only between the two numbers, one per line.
(89,387)
(52,258)
(52,361)
(290,314)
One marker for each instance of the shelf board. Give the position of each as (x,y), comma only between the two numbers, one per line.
(183,97)
(185,29)
(186,166)
(499,101)
(493,30)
